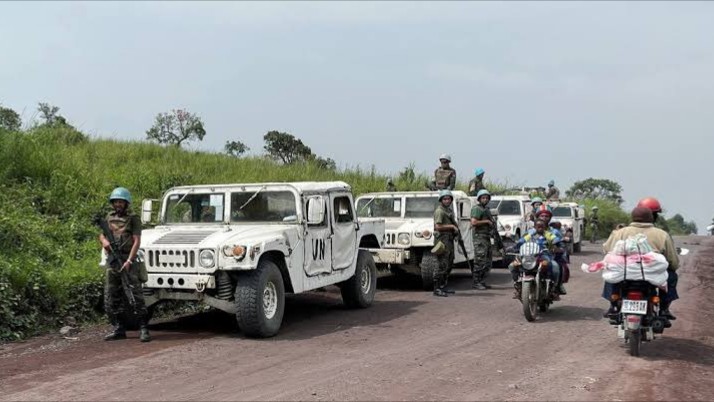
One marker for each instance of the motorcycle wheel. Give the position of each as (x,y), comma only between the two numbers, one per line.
(635,340)
(529,301)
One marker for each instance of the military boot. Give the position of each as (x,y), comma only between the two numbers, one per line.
(118,330)
(144,335)
(439,289)
(664,311)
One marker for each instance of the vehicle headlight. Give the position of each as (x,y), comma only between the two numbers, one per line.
(236,251)
(508,228)
(529,262)
(424,234)
(403,239)
(207,258)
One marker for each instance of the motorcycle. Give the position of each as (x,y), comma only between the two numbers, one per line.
(537,289)
(638,318)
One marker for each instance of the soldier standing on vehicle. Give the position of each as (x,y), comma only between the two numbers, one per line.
(126,229)
(445,231)
(444,175)
(482,223)
(553,193)
(390,185)
(476,184)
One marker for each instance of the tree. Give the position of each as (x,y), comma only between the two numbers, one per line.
(677,226)
(176,127)
(597,189)
(236,148)
(9,119)
(286,147)
(324,163)
(49,113)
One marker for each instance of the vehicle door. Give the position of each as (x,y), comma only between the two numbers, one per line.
(318,236)
(462,212)
(344,231)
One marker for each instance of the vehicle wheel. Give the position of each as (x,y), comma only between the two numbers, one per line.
(577,247)
(635,340)
(359,290)
(528,299)
(260,300)
(429,264)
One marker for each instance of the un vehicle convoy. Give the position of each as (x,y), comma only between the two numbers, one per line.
(241,247)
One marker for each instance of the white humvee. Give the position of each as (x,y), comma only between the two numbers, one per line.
(409,233)
(241,247)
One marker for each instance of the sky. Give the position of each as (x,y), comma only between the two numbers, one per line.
(529,91)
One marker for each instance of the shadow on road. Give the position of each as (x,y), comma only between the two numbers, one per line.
(679,349)
(460,279)
(571,313)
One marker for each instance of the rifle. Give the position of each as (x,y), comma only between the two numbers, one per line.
(115,261)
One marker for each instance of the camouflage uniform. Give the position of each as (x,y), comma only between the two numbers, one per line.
(444,216)
(482,244)
(123,227)
(391,187)
(445,178)
(475,185)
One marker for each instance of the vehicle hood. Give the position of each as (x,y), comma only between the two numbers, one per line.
(212,237)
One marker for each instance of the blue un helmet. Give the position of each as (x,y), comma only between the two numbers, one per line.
(120,193)
(445,193)
(482,193)
(479,172)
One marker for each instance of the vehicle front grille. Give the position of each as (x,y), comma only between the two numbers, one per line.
(171,258)
(391,239)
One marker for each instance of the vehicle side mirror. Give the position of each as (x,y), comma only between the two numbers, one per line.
(147,209)
(315,210)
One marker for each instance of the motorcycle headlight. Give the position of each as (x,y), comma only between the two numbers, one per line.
(207,258)
(529,262)
(403,239)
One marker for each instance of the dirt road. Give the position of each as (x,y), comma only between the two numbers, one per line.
(409,345)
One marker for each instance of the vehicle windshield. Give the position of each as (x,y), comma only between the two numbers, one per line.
(506,207)
(263,206)
(421,207)
(381,207)
(195,208)
(564,212)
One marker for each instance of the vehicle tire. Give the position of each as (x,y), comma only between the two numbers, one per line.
(260,300)
(577,247)
(359,290)
(429,264)
(635,341)
(528,299)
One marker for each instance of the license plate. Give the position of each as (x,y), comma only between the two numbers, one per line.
(172,259)
(634,307)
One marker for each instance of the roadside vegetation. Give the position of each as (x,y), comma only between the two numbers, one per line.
(54,179)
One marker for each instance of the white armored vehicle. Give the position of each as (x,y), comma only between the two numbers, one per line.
(571,216)
(241,247)
(409,217)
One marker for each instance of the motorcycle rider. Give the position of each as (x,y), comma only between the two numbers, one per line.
(545,214)
(548,241)
(661,242)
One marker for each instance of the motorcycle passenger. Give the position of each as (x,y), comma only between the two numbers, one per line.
(545,214)
(661,242)
(536,203)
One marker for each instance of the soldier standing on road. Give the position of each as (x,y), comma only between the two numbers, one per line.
(390,185)
(444,175)
(126,229)
(482,223)
(553,193)
(476,184)
(445,231)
